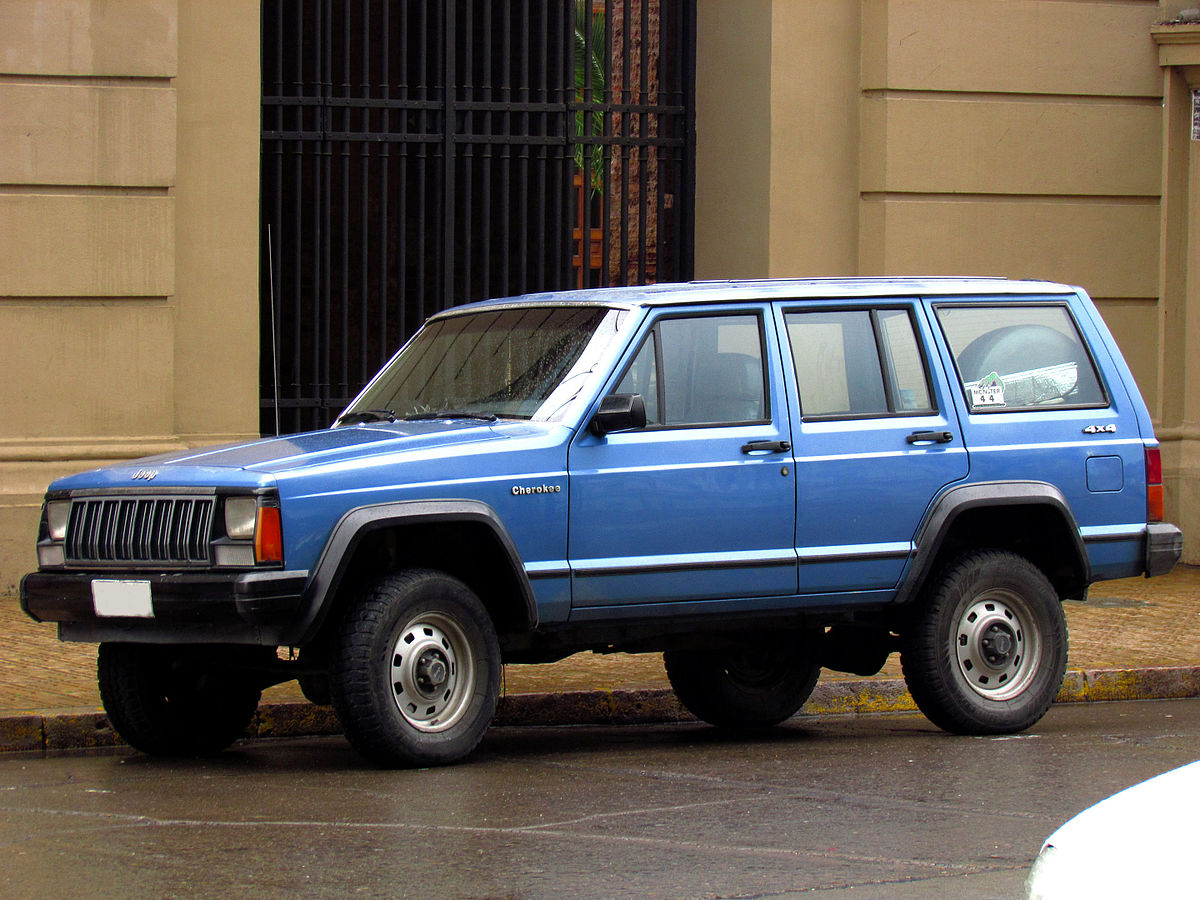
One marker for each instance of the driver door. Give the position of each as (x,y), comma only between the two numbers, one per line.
(699,506)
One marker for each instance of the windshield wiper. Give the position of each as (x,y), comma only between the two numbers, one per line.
(367,415)
(450,414)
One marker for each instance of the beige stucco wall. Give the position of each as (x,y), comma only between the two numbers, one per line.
(1014,137)
(1179,282)
(128,238)
(1022,138)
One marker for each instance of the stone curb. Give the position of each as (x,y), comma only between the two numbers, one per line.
(42,732)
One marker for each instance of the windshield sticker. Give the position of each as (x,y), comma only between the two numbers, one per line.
(987,391)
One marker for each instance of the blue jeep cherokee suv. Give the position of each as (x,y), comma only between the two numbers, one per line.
(759,479)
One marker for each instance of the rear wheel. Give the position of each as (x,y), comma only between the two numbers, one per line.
(415,677)
(179,701)
(987,650)
(753,686)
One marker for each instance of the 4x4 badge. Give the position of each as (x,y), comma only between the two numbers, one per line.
(1110,428)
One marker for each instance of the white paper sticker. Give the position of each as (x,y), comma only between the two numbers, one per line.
(123,599)
(987,392)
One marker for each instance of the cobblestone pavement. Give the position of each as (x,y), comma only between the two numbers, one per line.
(1132,623)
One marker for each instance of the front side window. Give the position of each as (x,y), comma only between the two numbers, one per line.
(700,370)
(523,363)
(857,362)
(1020,357)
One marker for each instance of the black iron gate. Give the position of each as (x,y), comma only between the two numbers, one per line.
(418,154)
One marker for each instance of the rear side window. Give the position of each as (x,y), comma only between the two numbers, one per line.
(857,362)
(1020,357)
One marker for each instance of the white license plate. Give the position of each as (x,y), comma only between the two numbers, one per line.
(123,599)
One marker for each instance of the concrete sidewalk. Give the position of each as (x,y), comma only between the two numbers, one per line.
(1134,639)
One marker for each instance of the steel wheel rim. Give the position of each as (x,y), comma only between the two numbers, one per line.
(755,668)
(997,646)
(432,672)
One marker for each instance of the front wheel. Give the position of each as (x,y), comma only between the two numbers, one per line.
(986,650)
(179,701)
(752,686)
(415,676)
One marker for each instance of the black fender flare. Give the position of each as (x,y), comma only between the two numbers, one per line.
(358,523)
(956,500)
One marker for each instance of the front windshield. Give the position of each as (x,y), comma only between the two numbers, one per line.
(522,363)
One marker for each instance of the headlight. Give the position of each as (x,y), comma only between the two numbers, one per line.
(58,512)
(248,519)
(241,515)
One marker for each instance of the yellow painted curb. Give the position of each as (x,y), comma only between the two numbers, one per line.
(34,732)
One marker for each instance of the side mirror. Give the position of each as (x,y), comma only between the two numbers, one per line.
(619,412)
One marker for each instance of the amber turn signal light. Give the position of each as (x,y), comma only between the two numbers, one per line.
(268,536)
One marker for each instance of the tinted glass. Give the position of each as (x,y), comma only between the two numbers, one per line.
(903,363)
(1019,357)
(857,362)
(519,363)
(711,371)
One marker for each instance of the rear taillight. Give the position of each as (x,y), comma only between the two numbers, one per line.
(1154,487)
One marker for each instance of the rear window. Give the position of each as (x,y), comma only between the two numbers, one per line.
(1020,358)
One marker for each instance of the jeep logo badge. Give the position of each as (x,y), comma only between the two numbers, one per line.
(145,474)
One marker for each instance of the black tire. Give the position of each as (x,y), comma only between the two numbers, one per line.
(415,675)
(177,701)
(986,650)
(755,686)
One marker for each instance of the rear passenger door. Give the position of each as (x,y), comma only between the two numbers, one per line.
(875,439)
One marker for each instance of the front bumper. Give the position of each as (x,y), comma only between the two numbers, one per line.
(235,607)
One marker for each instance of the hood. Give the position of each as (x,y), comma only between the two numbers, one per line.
(258,463)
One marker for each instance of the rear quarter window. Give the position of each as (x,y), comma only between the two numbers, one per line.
(1020,357)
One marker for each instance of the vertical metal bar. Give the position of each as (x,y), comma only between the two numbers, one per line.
(297,298)
(343,380)
(626,131)
(324,317)
(506,195)
(644,133)
(668,68)
(542,149)
(685,206)
(419,179)
(483,205)
(523,179)
(607,150)
(463,185)
(558,119)
(429,206)
(386,240)
(277,212)
(448,151)
(364,197)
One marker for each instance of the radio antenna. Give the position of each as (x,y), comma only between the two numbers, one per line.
(274,347)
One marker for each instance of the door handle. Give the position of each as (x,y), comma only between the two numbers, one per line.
(930,437)
(767,447)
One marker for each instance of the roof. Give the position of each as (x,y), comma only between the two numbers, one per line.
(778,288)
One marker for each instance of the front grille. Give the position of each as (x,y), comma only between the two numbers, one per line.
(173,531)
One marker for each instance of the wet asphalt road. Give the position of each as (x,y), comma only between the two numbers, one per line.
(878,806)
